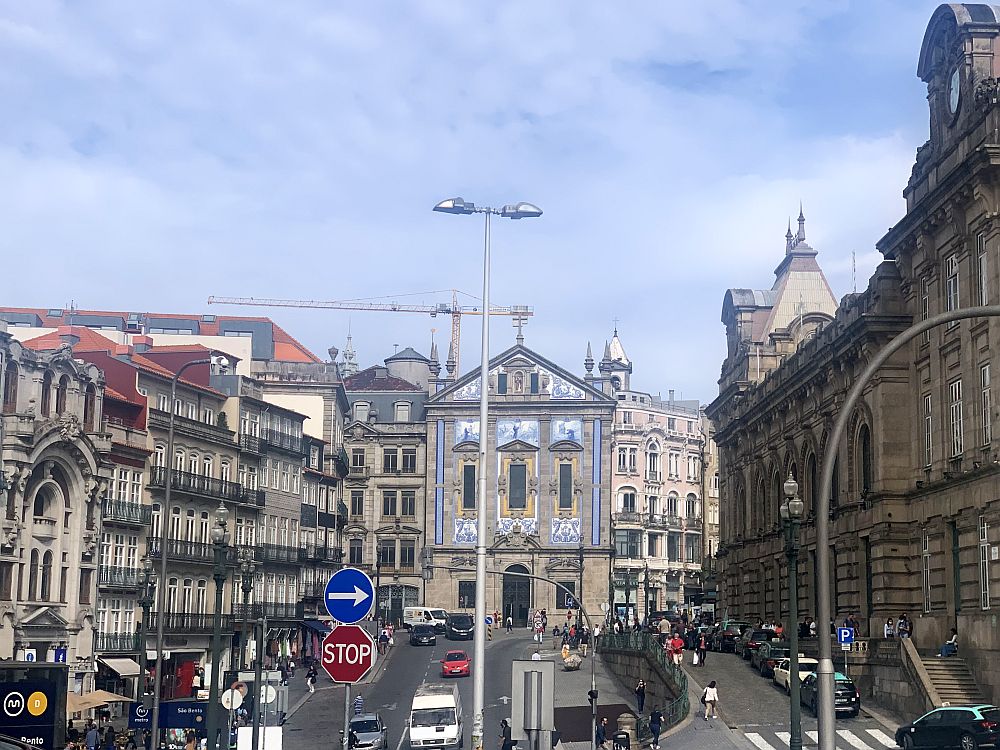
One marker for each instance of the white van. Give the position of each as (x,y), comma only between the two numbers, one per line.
(436,717)
(424,616)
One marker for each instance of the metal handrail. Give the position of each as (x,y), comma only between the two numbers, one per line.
(645,643)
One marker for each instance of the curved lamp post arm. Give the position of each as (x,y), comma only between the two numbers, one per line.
(827,716)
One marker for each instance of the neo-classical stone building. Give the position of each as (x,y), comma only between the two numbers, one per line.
(916,498)
(55,471)
(548,442)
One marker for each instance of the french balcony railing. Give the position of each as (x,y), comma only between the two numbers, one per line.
(180,549)
(117,643)
(653,476)
(313,590)
(293,443)
(255,498)
(357,472)
(196,484)
(627,516)
(109,576)
(189,622)
(270,610)
(124,511)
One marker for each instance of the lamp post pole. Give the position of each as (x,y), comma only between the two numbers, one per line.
(220,541)
(579,597)
(513,211)
(247,570)
(146,602)
(645,603)
(791,516)
(378,589)
(164,536)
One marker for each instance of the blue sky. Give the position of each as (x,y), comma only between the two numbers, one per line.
(157,153)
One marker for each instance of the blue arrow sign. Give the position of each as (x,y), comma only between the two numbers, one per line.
(845,635)
(489,619)
(349,595)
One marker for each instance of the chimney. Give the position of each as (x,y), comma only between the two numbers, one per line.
(142,343)
(381,373)
(670,396)
(123,351)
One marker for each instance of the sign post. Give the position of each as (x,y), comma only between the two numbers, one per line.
(845,637)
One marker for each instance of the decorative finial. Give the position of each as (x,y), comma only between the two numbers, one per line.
(588,361)
(518,322)
(450,363)
(801,236)
(789,239)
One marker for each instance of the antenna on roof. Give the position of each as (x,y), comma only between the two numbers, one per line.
(854,278)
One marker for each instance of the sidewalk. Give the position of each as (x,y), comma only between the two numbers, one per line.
(298,690)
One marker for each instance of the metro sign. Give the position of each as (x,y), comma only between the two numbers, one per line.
(348,653)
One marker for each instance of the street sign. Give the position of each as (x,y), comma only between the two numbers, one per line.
(348,653)
(349,595)
(570,601)
(845,636)
(489,619)
(232,699)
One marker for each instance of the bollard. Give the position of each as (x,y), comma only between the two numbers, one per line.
(627,725)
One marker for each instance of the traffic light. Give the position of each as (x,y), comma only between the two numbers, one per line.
(592,697)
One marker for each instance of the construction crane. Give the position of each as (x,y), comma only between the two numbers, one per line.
(518,313)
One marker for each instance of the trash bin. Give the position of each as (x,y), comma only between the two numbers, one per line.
(620,741)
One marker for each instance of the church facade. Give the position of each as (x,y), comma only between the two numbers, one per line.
(547,509)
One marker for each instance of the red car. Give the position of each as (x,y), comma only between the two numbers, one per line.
(455,664)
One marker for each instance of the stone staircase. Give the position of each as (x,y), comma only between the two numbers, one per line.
(952,680)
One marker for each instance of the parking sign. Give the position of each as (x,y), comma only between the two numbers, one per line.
(845,636)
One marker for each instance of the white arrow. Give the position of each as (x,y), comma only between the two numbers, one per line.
(358,596)
(504,699)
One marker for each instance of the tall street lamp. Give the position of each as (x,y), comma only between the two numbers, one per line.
(791,516)
(164,531)
(579,596)
(146,602)
(247,570)
(645,603)
(220,543)
(511,211)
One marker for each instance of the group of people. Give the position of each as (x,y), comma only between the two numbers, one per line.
(386,637)
(903,628)
(93,737)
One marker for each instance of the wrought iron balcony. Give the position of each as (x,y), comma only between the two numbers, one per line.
(276,553)
(189,622)
(315,553)
(179,549)
(196,484)
(256,498)
(124,511)
(109,576)
(357,472)
(627,516)
(270,610)
(250,443)
(117,643)
(292,443)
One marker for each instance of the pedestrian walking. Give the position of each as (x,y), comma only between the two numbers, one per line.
(655,727)
(640,695)
(702,650)
(510,624)
(359,705)
(92,737)
(601,733)
(311,678)
(584,640)
(710,697)
(677,649)
(506,743)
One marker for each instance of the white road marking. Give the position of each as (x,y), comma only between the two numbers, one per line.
(785,737)
(853,739)
(814,736)
(402,737)
(755,738)
(882,737)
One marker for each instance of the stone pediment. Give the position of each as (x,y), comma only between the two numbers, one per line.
(359,430)
(43,617)
(400,529)
(467,446)
(563,564)
(517,446)
(565,445)
(355,528)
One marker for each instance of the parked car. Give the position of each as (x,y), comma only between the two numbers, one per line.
(751,640)
(455,664)
(459,626)
(422,635)
(782,672)
(369,731)
(767,656)
(965,727)
(727,637)
(846,698)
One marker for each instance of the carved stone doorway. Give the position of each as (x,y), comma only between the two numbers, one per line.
(517,596)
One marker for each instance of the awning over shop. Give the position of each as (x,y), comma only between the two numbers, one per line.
(76,703)
(317,625)
(124,667)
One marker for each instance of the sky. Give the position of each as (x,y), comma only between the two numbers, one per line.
(156,153)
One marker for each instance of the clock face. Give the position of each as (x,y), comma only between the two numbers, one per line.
(954,91)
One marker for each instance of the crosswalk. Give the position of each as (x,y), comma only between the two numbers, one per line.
(847,739)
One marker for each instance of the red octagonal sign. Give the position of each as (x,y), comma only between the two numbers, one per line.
(348,653)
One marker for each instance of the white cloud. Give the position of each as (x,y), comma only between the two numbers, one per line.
(294,150)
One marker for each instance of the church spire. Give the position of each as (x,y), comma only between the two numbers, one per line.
(434,366)
(801,235)
(789,243)
(349,364)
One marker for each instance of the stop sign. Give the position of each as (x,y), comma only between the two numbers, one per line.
(348,653)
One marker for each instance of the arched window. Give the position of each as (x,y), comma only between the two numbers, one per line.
(61,393)
(178,460)
(38,507)
(89,408)
(692,506)
(206,466)
(159,456)
(672,504)
(653,461)
(10,388)
(46,405)
(172,595)
(193,463)
(32,575)
(46,587)
(835,495)
(812,487)
(864,460)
